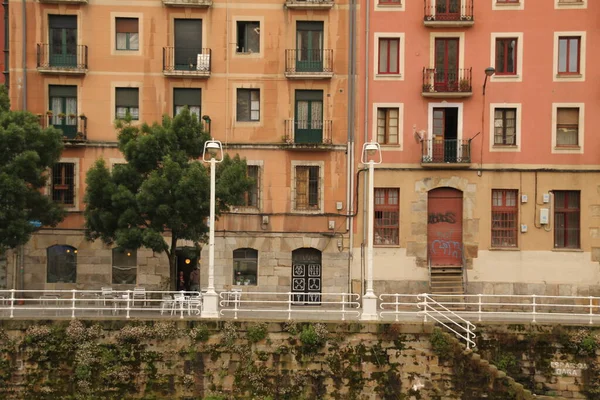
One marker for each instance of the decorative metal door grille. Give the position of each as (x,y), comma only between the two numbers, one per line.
(306,277)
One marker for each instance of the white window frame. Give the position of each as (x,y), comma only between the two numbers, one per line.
(321,165)
(390,7)
(582,57)
(581,128)
(496,6)
(389,147)
(388,35)
(581,4)
(113,34)
(502,148)
(518,77)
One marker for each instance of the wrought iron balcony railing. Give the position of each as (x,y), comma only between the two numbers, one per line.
(63,59)
(308,133)
(448,13)
(309,4)
(438,82)
(187,62)
(446,151)
(313,63)
(74,127)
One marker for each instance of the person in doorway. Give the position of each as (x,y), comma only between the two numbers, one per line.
(195,280)
(181,282)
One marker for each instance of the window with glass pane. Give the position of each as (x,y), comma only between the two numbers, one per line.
(506,56)
(566,219)
(252,195)
(505,216)
(391,2)
(63,104)
(61,264)
(248,37)
(63,183)
(124,266)
(568,55)
(387,217)
(127,32)
(389,54)
(387,125)
(245,267)
(307,188)
(567,127)
(505,122)
(127,101)
(190,98)
(248,105)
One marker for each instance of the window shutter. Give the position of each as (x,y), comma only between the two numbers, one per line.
(62,91)
(127,25)
(187,97)
(127,97)
(62,21)
(567,116)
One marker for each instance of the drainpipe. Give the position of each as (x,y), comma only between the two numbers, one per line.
(350,144)
(24,27)
(366,127)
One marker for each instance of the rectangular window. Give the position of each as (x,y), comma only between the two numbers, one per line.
(506,56)
(566,219)
(252,196)
(127,100)
(127,33)
(63,183)
(568,54)
(245,266)
(389,54)
(567,127)
(248,105)
(387,217)
(248,37)
(387,125)
(504,218)
(63,109)
(505,126)
(190,98)
(307,188)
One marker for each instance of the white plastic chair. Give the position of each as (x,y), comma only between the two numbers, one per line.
(107,293)
(194,304)
(166,303)
(139,293)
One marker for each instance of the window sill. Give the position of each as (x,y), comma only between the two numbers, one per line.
(567,148)
(307,212)
(508,5)
(389,6)
(391,246)
(244,210)
(571,4)
(507,77)
(384,77)
(504,249)
(569,76)
(565,250)
(248,55)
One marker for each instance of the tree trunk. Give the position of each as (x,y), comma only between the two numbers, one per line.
(173,261)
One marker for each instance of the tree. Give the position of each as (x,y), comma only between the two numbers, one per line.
(163,189)
(27,152)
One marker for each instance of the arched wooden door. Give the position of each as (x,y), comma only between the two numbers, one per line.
(444,226)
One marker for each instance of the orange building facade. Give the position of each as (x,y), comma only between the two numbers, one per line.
(270,77)
(485,112)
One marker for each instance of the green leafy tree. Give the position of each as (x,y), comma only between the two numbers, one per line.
(26,153)
(164,189)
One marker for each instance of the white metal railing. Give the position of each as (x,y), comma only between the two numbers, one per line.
(447,318)
(289,304)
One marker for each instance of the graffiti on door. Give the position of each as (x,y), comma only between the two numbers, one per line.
(448,248)
(436,218)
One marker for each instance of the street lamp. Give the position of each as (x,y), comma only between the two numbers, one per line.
(371,154)
(214,150)
(489,71)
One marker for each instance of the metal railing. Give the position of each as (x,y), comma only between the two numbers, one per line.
(287,305)
(440,80)
(62,58)
(449,10)
(74,127)
(447,318)
(193,62)
(308,132)
(308,61)
(450,151)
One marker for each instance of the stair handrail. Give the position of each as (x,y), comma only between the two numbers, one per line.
(442,315)
(464,270)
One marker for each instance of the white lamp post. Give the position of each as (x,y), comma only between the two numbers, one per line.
(210,301)
(371,155)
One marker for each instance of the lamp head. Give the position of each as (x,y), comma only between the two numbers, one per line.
(371,150)
(212,150)
(489,71)
(370,147)
(212,145)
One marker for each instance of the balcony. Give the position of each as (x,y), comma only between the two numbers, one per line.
(74,127)
(187,3)
(62,59)
(64,1)
(308,63)
(448,13)
(446,153)
(308,135)
(309,4)
(452,83)
(180,62)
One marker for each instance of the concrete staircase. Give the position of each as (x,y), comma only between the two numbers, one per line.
(448,280)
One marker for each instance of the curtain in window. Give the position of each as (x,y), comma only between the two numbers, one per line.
(316,115)
(302,114)
(194,110)
(56,108)
(71,110)
(567,127)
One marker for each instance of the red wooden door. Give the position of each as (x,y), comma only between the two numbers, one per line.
(444,226)
(446,64)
